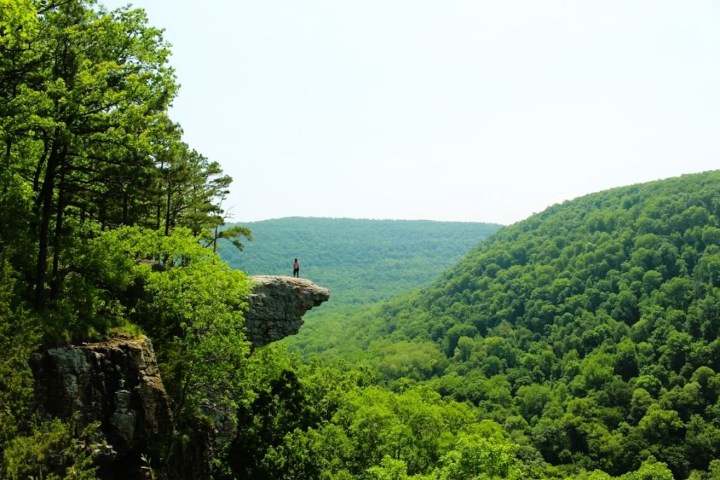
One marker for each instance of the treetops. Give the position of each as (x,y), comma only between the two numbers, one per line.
(106,215)
(589,330)
(87,141)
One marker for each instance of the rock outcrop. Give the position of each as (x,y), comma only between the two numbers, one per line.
(115,383)
(277,305)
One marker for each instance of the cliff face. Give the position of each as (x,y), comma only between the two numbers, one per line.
(116,383)
(277,305)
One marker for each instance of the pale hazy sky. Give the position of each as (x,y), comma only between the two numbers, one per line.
(445,110)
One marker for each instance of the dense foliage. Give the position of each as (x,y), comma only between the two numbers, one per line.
(87,143)
(314,421)
(580,340)
(104,214)
(589,331)
(360,261)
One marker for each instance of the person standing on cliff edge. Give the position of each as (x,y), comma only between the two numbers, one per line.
(296,268)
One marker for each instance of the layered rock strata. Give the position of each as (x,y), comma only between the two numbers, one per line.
(117,384)
(277,305)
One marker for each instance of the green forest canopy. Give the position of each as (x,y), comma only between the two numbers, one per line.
(581,341)
(588,331)
(360,261)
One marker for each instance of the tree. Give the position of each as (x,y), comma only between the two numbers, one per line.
(476,457)
(192,304)
(234,235)
(192,189)
(89,87)
(389,469)
(19,337)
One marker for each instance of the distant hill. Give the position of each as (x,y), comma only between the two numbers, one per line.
(590,331)
(360,261)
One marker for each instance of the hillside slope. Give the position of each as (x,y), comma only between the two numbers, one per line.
(360,261)
(589,330)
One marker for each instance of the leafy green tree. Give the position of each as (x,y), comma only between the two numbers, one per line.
(37,455)
(650,469)
(477,457)
(551,440)
(389,469)
(19,337)
(192,189)
(99,89)
(192,305)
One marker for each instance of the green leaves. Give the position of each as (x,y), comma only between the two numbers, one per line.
(595,322)
(17,22)
(51,452)
(19,337)
(84,95)
(478,457)
(191,303)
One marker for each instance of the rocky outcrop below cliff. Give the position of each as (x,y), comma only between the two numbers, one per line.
(116,383)
(277,305)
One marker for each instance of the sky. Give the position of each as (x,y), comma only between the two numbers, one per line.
(454,110)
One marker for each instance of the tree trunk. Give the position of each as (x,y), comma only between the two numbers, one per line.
(125,200)
(158,213)
(59,217)
(44,203)
(168,204)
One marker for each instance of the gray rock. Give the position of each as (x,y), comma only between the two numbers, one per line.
(116,383)
(277,305)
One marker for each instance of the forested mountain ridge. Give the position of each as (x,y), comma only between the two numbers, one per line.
(107,223)
(360,260)
(589,331)
(582,339)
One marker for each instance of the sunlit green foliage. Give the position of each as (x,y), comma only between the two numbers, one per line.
(188,300)
(360,261)
(312,421)
(51,452)
(589,331)
(580,343)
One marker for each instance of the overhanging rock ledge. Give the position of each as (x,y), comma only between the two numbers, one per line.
(277,305)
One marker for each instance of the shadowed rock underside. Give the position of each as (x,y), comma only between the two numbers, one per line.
(277,305)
